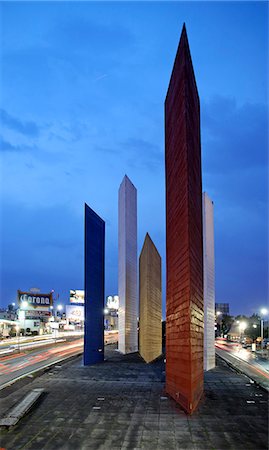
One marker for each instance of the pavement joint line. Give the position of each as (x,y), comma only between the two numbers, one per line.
(9,383)
(19,410)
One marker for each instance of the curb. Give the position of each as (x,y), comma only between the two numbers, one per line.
(241,372)
(36,371)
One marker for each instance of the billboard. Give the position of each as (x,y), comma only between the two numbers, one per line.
(74,313)
(76,296)
(35,300)
(112,302)
(36,314)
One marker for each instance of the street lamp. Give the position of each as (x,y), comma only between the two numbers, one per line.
(242,327)
(263,313)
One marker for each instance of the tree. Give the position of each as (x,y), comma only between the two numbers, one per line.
(226,322)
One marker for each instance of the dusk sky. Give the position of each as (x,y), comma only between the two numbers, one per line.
(82,104)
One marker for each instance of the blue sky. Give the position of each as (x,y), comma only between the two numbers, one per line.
(83,88)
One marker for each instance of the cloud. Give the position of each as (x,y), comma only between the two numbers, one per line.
(234,137)
(8,147)
(28,128)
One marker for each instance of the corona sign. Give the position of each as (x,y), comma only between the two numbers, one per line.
(35,300)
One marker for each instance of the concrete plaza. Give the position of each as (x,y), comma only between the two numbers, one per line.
(121,404)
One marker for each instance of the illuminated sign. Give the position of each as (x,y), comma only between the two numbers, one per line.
(74,313)
(35,314)
(36,300)
(76,296)
(112,302)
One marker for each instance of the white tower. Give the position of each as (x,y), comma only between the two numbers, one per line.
(209,282)
(127,278)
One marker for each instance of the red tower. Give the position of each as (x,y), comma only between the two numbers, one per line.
(184,245)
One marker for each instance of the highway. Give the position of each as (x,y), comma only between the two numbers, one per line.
(17,365)
(250,363)
(18,360)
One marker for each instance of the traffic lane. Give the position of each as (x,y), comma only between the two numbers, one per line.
(245,354)
(15,366)
(250,368)
(22,346)
(5,343)
(36,339)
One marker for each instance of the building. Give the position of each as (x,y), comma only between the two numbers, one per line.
(111,312)
(94,279)
(223,308)
(150,301)
(209,282)
(127,275)
(34,312)
(8,323)
(184,239)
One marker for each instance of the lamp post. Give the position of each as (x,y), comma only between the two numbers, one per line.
(18,336)
(59,308)
(263,313)
(21,309)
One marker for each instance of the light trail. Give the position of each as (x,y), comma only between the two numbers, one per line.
(16,363)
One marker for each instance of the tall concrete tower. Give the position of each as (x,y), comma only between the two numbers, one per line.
(184,239)
(94,281)
(209,282)
(150,301)
(127,278)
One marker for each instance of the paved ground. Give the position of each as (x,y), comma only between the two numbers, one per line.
(121,404)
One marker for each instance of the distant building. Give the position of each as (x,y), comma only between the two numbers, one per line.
(34,311)
(8,314)
(111,313)
(7,322)
(224,308)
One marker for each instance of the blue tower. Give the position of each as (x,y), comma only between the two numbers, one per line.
(94,287)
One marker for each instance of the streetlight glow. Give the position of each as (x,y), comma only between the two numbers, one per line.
(59,307)
(263,311)
(242,326)
(24,304)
